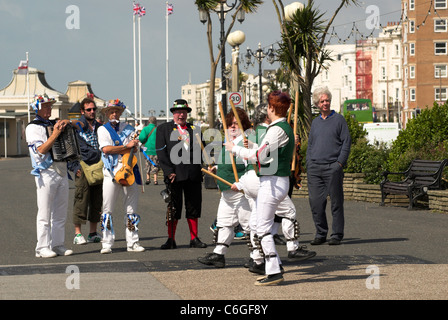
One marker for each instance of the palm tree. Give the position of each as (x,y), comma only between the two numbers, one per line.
(302,50)
(207,6)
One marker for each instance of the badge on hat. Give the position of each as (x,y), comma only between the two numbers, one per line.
(180,104)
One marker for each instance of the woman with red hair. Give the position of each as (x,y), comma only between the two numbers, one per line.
(274,155)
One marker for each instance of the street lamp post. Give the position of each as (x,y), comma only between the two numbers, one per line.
(259,55)
(222,9)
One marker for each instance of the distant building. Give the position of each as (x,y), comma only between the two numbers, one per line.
(425,57)
(14,107)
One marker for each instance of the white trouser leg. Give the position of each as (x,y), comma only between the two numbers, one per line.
(287,210)
(272,191)
(52,201)
(233,209)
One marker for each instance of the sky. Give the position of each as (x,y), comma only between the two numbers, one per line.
(92,41)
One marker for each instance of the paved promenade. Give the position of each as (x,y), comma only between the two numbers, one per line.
(388,253)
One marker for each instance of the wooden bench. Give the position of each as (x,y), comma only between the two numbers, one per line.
(421,176)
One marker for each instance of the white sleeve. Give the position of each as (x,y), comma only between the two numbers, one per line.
(275,138)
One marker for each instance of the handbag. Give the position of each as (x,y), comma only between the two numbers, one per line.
(93,173)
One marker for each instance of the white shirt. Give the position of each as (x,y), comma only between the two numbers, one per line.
(36,136)
(274,138)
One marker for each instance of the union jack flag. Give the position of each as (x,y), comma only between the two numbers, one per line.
(142,11)
(136,8)
(169,8)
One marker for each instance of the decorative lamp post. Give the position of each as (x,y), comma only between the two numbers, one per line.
(259,55)
(235,39)
(222,9)
(290,9)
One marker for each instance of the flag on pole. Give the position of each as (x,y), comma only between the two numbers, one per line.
(142,11)
(169,8)
(136,8)
(23,67)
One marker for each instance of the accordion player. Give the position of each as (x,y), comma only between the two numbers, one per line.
(65,147)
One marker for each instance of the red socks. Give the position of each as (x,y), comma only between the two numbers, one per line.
(193,225)
(172,228)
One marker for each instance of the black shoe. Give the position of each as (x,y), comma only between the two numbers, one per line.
(318,241)
(334,242)
(270,280)
(301,254)
(213,259)
(278,240)
(249,263)
(196,243)
(257,268)
(169,244)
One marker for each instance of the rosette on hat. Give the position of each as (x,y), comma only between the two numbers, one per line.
(180,104)
(40,100)
(114,104)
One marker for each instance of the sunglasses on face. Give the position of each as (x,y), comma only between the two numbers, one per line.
(90,109)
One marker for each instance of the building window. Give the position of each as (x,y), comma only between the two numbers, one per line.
(440,48)
(439,4)
(412,49)
(440,71)
(440,25)
(437,95)
(412,94)
(383,73)
(411,4)
(397,50)
(411,26)
(397,71)
(412,72)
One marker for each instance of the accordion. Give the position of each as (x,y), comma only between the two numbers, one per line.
(65,147)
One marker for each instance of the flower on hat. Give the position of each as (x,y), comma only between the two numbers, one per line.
(39,100)
(116,103)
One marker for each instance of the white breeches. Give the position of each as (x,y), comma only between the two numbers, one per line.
(285,209)
(111,192)
(273,190)
(233,208)
(52,202)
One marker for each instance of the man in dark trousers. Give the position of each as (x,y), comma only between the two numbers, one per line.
(328,150)
(181,165)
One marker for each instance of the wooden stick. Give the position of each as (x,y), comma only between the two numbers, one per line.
(296,108)
(207,159)
(224,125)
(216,177)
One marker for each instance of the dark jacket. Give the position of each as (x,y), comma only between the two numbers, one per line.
(89,154)
(173,158)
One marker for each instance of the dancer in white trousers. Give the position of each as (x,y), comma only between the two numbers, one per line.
(115,140)
(51,180)
(233,206)
(274,156)
(250,184)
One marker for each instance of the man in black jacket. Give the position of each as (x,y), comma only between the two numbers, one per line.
(88,199)
(180,159)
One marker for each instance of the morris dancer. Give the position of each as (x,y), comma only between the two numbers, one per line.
(182,172)
(116,139)
(51,180)
(274,155)
(233,206)
(286,210)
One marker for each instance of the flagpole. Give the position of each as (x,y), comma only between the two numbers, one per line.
(167,74)
(139,70)
(28,85)
(135,67)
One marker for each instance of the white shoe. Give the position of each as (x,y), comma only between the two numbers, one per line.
(79,239)
(106,250)
(136,247)
(45,253)
(62,251)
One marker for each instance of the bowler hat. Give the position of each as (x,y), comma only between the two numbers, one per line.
(180,104)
